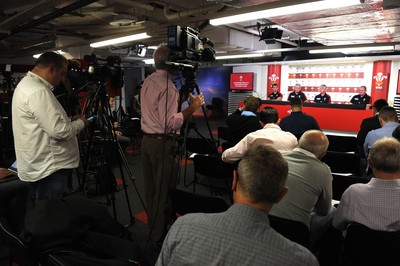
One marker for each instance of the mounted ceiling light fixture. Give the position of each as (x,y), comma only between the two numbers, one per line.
(283,10)
(350,50)
(222,57)
(124,39)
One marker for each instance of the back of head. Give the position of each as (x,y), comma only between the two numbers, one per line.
(50,58)
(385,155)
(252,104)
(160,55)
(379,104)
(396,133)
(269,115)
(388,114)
(296,103)
(262,174)
(314,141)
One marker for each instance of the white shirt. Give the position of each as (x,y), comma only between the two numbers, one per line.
(44,137)
(271,134)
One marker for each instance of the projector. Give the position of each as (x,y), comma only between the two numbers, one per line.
(269,35)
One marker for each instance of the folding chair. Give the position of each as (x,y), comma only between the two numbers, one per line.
(293,230)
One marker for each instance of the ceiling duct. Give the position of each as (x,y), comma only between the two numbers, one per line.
(388,4)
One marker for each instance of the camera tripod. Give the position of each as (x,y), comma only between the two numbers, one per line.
(207,145)
(99,105)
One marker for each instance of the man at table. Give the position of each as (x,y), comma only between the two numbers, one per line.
(362,98)
(297,93)
(275,95)
(322,97)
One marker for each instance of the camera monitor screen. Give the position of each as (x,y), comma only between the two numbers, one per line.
(242,81)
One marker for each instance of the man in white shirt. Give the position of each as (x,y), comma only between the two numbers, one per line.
(45,140)
(270,134)
(375,204)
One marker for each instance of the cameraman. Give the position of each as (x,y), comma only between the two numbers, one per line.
(160,124)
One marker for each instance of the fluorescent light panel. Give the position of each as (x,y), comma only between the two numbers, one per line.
(221,57)
(129,38)
(286,10)
(353,49)
(149,61)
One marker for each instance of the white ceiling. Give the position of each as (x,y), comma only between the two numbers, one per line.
(33,26)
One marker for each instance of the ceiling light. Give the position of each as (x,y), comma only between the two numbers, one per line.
(221,57)
(352,49)
(149,61)
(129,38)
(285,10)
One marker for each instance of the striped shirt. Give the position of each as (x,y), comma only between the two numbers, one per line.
(375,205)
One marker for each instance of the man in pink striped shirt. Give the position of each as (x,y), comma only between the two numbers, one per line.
(160,124)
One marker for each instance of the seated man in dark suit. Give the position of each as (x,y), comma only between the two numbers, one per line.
(241,124)
(369,124)
(298,122)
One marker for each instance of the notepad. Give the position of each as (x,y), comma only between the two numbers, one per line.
(13,168)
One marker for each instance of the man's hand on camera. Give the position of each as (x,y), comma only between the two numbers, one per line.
(83,118)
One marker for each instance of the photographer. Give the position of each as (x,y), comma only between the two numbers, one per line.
(160,124)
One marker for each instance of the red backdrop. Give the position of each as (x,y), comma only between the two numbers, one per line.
(380,80)
(274,76)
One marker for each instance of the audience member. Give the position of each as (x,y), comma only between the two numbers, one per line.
(389,121)
(369,124)
(160,123)
(45,140)
(322,97)
(362,98)
(309,199)
(275,95)
(241,235)
(241,124)
(375,204)
(298,122)
(297,93)
(271,134)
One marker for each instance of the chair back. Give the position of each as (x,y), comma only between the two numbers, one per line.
(367,247)
(223,133)
(13,200)
(293,230)
(343,163)
(340,183)
(184,202)
(342,143)
(200,145)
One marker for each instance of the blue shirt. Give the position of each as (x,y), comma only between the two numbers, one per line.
(248,113)
(385,131)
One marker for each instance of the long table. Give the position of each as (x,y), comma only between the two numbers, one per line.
(337,117)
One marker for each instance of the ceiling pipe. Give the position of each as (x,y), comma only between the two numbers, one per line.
(54,14)
(184,14)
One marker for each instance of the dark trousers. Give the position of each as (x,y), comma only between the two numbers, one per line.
(52,186)
(159,173)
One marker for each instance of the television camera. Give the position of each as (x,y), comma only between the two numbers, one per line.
(109,68)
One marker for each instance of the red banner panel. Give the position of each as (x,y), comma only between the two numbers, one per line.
(242,81)
(274,77)
(380,80)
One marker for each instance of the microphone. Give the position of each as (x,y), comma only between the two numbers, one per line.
(169,63)
(208,41)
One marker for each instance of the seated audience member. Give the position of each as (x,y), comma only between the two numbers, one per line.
(298,122)
(396,133)
(241,124)
(241,235)
(271,134)
(309,199)
(322,97)
(362,98)
(375,204)
(297,93)
(389,121)
(275,95)
(369,124)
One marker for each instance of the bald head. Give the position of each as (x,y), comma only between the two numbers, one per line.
(314,141)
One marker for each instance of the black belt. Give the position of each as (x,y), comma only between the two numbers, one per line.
(160,136)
